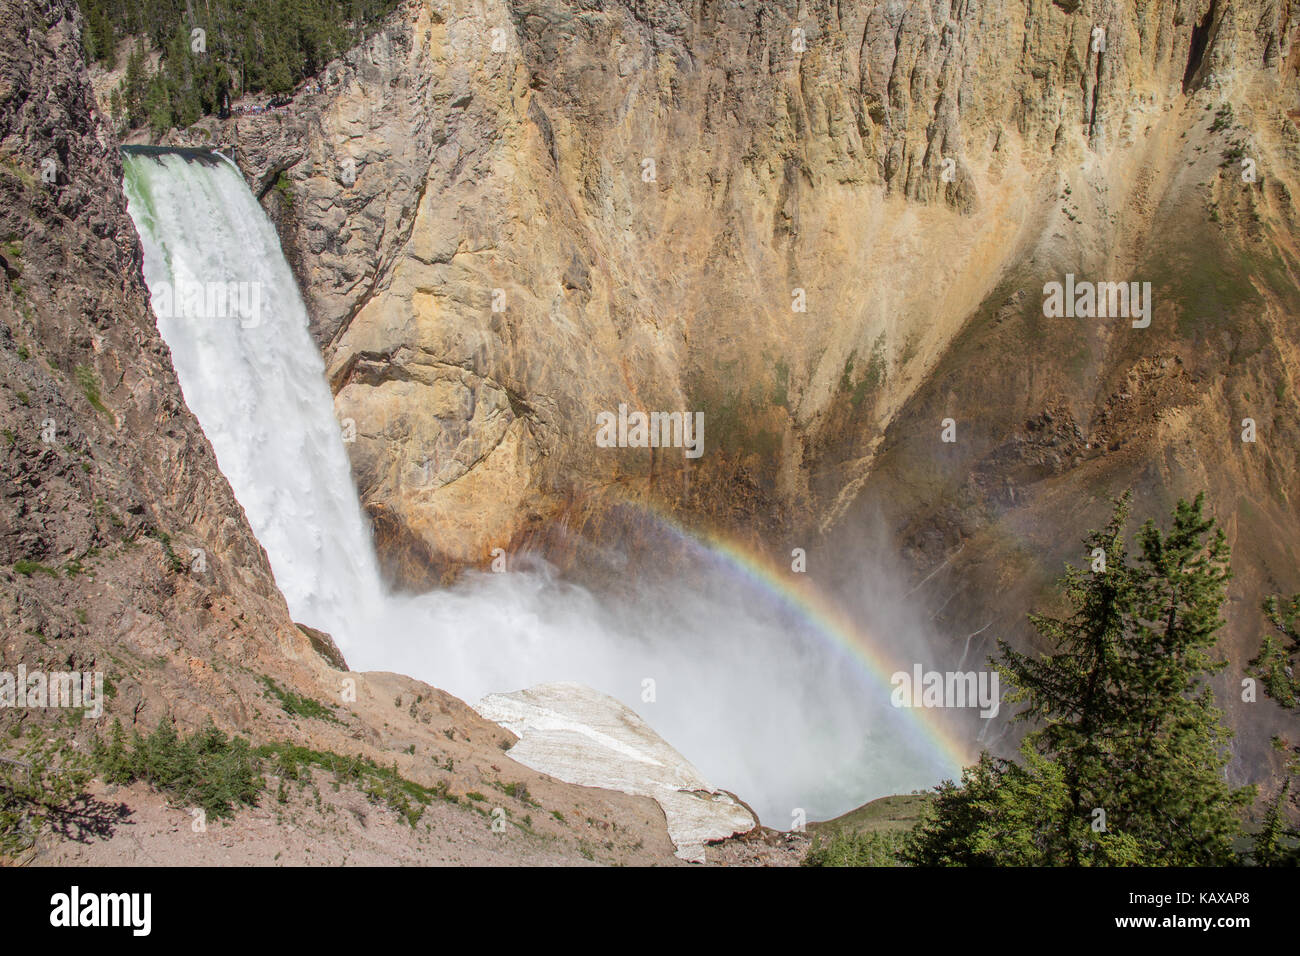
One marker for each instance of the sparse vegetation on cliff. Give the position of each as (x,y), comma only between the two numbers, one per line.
(295,705)
(207,769)
(219,773)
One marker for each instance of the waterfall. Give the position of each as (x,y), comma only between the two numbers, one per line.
(743,688)
(253,377)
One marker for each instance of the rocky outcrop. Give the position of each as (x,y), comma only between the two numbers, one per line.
(324,646)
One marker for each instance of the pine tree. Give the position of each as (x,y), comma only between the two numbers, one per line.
(1171,793)
(1273,664)
(1278,843)
(116,109)
(134,84)
(157,104)
(992,818)
(37,784)
(1126,763)
(100,39)
(1076,691)
(1275,844)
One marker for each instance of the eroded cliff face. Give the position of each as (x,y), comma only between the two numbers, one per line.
(508,217)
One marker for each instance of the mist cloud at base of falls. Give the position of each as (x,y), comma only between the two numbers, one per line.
(759,703)
(750,693)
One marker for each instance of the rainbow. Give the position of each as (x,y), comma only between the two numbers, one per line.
(825,619)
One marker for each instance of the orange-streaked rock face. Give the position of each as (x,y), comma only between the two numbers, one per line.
(511,218)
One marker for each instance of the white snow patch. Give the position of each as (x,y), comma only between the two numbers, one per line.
(581,736)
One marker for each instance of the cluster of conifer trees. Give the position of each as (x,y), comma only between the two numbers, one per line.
(246,46)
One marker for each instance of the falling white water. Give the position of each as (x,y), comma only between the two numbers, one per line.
(256,382)
(746,690)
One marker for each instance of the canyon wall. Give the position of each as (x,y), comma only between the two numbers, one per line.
(828,226)
(508,217)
